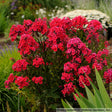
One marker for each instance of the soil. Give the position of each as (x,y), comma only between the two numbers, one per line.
(4,41)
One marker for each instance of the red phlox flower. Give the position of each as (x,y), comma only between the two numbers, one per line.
(11,77)
(84,80)
(68,89)
(9,81)
(37,80)
(67,77)
(20,65)
(68,67)
(39,26)
(65,23)
(106,43)
(54,47)
(61,47)
(108,75)
(27,23)
(38,61)
(84,70)
(7,84)
(22,81)
(27,44)
(98,66)
(95,24)
(16,30)
(57,36)
(79,22)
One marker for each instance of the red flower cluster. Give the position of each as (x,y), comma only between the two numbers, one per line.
(79,54)
(79,22)
(19,80)
(67,77)
(27,44)
(68,88)
(39,25)
(93,27)
(108,75)
(38,61)
(84,70)
(22,81)
(57,36)
(37,80)
(16,30)
(9,81)
(20,65)
(42,41)
(84,80)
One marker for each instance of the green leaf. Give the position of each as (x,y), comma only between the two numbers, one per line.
(89,104)
(64,104)
(80,101)
(69,104)
(90,96)
(99,101)
(103,92)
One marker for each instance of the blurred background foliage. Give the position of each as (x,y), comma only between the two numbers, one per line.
(14,12)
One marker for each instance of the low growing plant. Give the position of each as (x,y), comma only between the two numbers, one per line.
(8,97)
(56,54)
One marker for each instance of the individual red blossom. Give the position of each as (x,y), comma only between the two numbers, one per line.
(16,30)
(47,63)
(27,23)
(79,22)
(39,25)
(94,24)
(37,80)
(68,66)
(57,36)
(93,27)
(60,46)
(103,52)
(98,66)
(68,89)
(9,81)
(38,61)
(67,77)
(22,81)
(108,75)
(84,80)
(106,44)
(105,62)
(77,96)
(20,65)
(7,84)
(54,47)
(55,22)
(84,70)
(78,59)
(90,58)
(27,44)
(11,77)
(65,23)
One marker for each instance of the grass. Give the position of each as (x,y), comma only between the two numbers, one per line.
(5,69)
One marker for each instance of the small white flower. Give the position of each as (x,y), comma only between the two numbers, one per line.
(12,13)
(22,16)
(37,12)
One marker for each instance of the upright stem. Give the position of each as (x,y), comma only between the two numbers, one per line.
(18,103)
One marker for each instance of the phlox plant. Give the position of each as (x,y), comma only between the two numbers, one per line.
(57,56)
